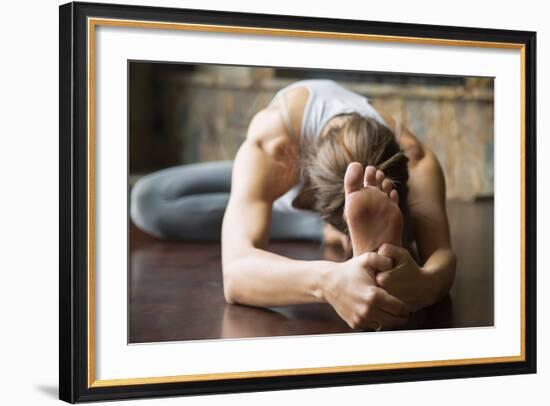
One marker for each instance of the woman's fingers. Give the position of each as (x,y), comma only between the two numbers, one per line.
(382,300)
(370,314)
(375,261)
(381,320)
(392,251)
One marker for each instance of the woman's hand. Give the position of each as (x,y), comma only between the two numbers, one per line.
(405,280)
(349,287)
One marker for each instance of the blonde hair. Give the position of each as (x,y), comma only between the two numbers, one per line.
(353,138)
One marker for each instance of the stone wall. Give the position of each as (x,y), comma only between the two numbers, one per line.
(211,110)
(458,127)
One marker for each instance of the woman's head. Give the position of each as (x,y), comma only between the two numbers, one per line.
(351,138)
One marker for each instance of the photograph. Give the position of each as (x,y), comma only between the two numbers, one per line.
(256,202)
(268,203)
(273,201)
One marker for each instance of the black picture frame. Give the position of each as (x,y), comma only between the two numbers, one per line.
(74,383)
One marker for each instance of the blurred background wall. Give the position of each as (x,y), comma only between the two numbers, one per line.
(189,113)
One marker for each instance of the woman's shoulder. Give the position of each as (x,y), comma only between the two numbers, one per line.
(268,131)
(289,104)
(413,148)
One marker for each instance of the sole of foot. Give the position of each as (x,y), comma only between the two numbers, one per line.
(371,209)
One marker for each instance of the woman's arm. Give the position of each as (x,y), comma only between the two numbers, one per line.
(428,210)
(265,168)
(426,283)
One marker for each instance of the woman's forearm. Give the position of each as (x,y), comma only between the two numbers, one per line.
(440,269)
(261,278)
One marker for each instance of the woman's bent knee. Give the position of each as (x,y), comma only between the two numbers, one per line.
(156,210)
(145,206)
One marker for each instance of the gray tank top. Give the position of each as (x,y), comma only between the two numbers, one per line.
(326,100)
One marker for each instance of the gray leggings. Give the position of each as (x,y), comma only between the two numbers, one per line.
(188,202)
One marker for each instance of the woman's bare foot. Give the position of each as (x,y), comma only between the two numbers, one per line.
(371,210)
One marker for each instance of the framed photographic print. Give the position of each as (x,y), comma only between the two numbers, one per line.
(256,202)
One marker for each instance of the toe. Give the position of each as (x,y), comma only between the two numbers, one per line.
(370,176)
(353,177)
(380,178)
(394,196)
(387,186)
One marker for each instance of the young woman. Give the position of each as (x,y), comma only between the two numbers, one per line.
(319,162)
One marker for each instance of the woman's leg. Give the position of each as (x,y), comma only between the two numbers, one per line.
(296,226)
(185,202)
(188,202)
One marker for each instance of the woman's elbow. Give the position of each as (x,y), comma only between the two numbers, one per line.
(452,262)
(230,284)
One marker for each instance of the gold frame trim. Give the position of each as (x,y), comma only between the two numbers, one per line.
(91,25)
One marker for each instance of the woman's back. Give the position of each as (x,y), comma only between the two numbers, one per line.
(326,99)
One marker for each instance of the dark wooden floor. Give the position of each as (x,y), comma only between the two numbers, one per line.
(175,288)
